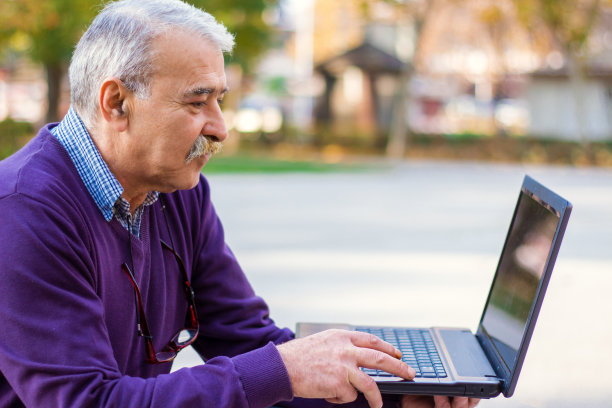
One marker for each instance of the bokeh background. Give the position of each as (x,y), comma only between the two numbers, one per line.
(502,80)
(376,152)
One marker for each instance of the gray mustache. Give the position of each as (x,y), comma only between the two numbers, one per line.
(203,145)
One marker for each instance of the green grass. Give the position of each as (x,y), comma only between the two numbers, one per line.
(257,164)
(13,135)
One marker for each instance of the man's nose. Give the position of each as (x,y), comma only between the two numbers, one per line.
(215,127)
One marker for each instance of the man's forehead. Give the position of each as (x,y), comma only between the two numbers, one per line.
(194,67)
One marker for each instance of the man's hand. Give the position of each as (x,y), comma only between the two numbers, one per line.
(418,401)
(326,365)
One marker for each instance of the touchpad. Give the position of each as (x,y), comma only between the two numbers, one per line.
(467,355)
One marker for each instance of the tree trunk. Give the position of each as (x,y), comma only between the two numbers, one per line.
(577,82)
(399,138)
(54,80)
(396,147)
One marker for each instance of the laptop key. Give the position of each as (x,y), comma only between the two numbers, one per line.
(418,351)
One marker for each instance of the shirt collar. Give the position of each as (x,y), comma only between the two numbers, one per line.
(102,185)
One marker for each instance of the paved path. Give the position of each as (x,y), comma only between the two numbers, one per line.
(420,241)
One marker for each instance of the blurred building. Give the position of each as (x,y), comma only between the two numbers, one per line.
(458,66)
(341,67)
(568,110)
(361,54)
(359,89)
(552,102)
(470,66)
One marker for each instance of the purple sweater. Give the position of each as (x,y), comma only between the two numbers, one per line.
(68,335)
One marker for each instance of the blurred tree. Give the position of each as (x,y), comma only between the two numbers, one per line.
(497,24)
(48,30)
(417,13)
(245,19)
(569,23)
(499,20)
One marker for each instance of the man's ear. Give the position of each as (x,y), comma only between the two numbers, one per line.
(113,104)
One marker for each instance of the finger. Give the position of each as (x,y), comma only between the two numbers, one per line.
(417,401)
(344,391)
(370,341)
(441,402)
(473,402)
(367,386)
(460,402)
(381,361)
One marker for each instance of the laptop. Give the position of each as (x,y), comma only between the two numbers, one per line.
(456,362)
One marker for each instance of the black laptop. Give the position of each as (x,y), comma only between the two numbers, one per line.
(456,362)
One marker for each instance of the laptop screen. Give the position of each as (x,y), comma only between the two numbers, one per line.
(520,270)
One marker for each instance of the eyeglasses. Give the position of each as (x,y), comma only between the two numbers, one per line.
(183,337)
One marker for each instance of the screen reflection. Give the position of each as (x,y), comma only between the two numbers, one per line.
(518,277)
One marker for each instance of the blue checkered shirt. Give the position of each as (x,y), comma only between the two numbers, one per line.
(100,182)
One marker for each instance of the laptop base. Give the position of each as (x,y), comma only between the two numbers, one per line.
(469,374)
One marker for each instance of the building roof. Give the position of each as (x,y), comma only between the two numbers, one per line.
(367,57)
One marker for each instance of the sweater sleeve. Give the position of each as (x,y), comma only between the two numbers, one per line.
(55,349)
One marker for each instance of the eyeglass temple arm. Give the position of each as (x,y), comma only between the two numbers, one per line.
(142,326)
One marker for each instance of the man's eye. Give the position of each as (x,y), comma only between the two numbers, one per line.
(198,104)
(220,102)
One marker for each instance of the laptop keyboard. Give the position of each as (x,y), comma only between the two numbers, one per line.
(417,347)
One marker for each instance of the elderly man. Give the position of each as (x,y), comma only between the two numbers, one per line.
(112,256)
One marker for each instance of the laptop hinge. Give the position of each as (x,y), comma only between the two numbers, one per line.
(492,353)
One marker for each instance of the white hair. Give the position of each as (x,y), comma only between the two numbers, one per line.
(118,44)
